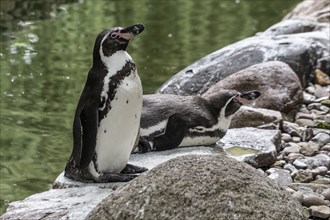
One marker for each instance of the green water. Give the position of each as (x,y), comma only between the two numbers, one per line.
(240,151)
(46,54)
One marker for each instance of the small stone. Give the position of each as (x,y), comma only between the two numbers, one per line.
(322,211)
(326,194)
(310,89)
(303,176)
(314,106)
(296,139)
(321,91)
(304,115)
(321,139)
(327,119)
(317,161)
(286,137)
(309,148)
(299,164)
(293,156)
(299,196)
(305,190)
(291,128)
(314,186)
(311,200)
(322,170)
(281,176)
(326,102)
(308,98)
(279,163)
(291,148)
(325,148)
(289,167)
(321,78)
(305,122)
(322,180)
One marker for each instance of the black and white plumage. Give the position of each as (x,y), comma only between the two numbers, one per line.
(169,121)
(107,117)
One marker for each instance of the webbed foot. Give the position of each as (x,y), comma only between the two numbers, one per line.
(131,169)
(113,177)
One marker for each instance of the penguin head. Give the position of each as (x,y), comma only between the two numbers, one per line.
(115,39)
(230,101)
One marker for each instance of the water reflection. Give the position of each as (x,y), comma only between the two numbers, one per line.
(44,65)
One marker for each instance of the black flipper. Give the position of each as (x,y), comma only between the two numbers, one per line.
(174,133)
(89,121)
(84,135)
(131,169)
(143,146)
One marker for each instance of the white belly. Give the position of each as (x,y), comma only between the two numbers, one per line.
(118,131)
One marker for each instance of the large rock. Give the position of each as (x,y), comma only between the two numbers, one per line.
(256,117)
(304,46)
(200,187)
(70,203)
(269,79)
(257,147)
(312,9)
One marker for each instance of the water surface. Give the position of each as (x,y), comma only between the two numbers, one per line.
(46,54)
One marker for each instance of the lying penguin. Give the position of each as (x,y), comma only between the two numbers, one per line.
(107,117)
(170,121)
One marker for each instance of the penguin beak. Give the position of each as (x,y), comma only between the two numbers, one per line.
(130,32)
(243,97)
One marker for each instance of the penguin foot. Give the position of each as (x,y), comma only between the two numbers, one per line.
(112,177)
(131,169)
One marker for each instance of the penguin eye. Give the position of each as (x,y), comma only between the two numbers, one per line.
(114,35)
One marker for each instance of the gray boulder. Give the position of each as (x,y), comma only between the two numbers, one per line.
(256,117)
(269,79)
(200,187)
(303,46)
(69,203)
(312,9)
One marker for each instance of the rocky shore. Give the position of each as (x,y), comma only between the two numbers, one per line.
(283,138)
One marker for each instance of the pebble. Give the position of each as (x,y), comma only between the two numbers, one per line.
(286,137)
(326,194)
(312,200)
(296,139)
(321,139)
(325,148)
(282,177)
(322,211)
(279,163)
(309,148)
(299,164)
(291,148)
(322,171)
(289,167)
(303,176)
(305,122)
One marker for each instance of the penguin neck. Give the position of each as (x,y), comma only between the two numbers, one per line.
(116,61)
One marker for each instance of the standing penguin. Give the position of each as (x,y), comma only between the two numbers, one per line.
(169,121)
(107,118)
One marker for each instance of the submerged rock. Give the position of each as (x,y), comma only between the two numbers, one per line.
(200,187)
